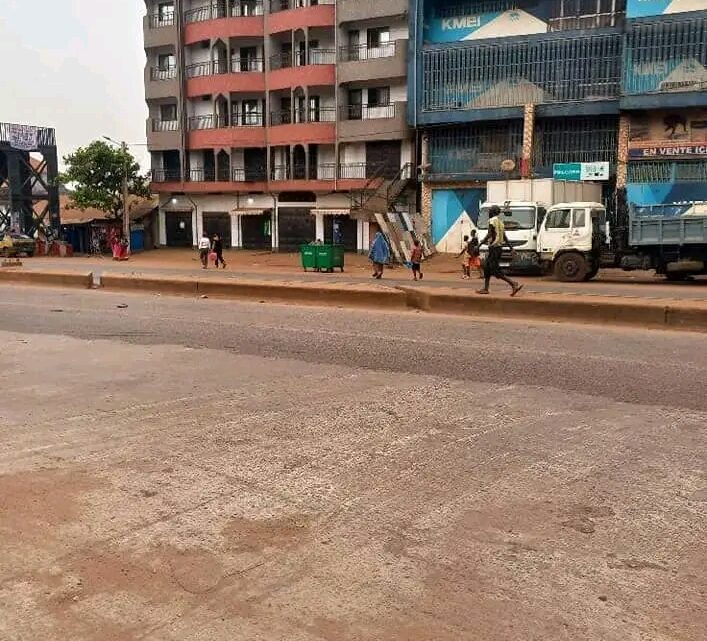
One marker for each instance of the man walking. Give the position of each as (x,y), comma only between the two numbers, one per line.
(496,239)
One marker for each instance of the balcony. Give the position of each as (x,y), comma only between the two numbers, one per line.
(240,130)
(222,76)
(161,82)
(359,64)
(219,20)
(367,122)
(314,126)
(163,134)
(288,15)
(159,30)
(355,10)
(314,69)
(665,64)
(166,176)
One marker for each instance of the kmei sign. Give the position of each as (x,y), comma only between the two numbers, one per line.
(463,22)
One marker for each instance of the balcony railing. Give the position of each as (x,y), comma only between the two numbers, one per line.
(158,20)
(46,137)
(214,11)
(284,5)
(367,112)
(199,123)
(218,67)
(242,175)
(301,58)
(164,125)
(166,176)
(248,119)
(364,52)
(163,73)
(297,116)
(324,171)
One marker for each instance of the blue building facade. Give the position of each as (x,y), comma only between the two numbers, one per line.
(540,82)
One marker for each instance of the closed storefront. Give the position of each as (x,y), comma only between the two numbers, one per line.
(341,230)
(218,223)
(256,231)
(179,229)
(296,227)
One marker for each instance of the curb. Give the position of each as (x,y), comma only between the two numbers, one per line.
(60,279)
(348,296)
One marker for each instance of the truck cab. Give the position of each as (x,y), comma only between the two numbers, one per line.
(522,220)
(571,239)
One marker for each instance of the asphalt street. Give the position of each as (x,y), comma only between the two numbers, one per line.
(188,469)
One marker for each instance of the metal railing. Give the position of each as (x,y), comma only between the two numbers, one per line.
(578,139)
(353,170)
(163,73)
(166,176)
(246,65)
(301,58)
(157,20)
(248,119)
(535,70)
(164,125)
(216,10)
(285,5)
(240,175)
(301,116)
(362,53)
(367,112)
(218,67)
(667,172)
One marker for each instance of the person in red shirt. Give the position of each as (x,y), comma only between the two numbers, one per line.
(416,260)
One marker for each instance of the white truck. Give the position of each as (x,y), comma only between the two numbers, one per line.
(524,204)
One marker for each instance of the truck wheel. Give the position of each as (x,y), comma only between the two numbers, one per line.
(571,268)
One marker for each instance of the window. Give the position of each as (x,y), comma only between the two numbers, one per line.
(378,37)
(165,13)
(355,104)
(168,113)
(249,59)
(250,113)
(580,218)
(586,14)
(314,113)
(559,219)
(378,96)
(166,61)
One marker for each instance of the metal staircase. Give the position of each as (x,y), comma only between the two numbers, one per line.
(380,195)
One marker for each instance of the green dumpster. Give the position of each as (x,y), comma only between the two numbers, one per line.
(309,256)
(330,257)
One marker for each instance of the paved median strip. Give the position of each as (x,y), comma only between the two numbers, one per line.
(686,315)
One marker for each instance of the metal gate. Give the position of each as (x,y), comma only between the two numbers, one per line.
(179,231)
(218,223)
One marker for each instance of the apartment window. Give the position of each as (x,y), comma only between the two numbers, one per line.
(586,14)
(314,113)
(166,61)
(168,113)
(248,59)
(250,113)
(377,37)
(355,104)
(165,13)
(378,96)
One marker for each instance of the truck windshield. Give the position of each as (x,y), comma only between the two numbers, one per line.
(520,218)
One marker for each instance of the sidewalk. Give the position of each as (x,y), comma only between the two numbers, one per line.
(441,271)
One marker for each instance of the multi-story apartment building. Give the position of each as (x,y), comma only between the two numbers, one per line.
(264,117)
(539,82)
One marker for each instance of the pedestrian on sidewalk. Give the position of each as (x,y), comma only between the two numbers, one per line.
(217,248)
(463,254)
(496,239)
(204,249)
(416,260)
(379,254)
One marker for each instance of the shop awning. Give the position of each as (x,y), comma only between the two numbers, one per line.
(248,212)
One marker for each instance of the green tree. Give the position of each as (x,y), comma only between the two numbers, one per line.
(95,176)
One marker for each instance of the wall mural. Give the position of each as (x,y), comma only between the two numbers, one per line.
(665,76)
(455,213)
(644,8)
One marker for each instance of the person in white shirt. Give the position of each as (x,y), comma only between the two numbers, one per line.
(204,249)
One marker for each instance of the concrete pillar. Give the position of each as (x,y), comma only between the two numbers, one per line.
(197,226)
(319,226)
(526,168)
(161,227)
(235,230)
(622,152)
(274,228)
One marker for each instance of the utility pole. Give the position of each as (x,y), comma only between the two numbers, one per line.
(126,209)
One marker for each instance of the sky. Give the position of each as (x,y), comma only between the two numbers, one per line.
(78,68)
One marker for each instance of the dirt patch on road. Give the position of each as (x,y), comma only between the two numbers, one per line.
(34,505)
(260,535)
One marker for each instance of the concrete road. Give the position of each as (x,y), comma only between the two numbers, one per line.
(205,470)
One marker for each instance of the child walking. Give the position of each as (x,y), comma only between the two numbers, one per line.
(416,260)
(464,255)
